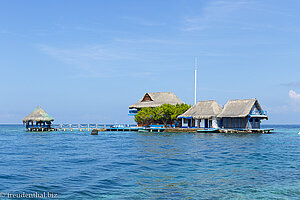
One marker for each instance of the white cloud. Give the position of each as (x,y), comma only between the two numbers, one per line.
(143,22)
(96,61)
(293,95)
(292,84)
(215,13)
(243,15)
(147,40)
(86,53)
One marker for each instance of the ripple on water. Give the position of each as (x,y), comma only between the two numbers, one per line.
(156,166)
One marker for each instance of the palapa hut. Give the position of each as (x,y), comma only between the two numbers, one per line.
(41,119)
(242,114)
(154,99)
(201,115)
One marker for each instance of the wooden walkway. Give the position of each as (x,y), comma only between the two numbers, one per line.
(81,127)
(181,130)
(267,131)
(131,127)
(89,127)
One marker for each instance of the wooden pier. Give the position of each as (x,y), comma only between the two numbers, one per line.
(82,127)
(187,130)
(195,130)
(90,127)
(130,127)
(39,129)
(265,131)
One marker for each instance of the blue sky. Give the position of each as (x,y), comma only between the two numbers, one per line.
(87,61)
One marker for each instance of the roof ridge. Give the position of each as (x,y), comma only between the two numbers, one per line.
(207,101)
(242,99)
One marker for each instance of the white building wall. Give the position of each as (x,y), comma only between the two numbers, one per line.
(184,124)
(197,122)
(215,123)
(202,123)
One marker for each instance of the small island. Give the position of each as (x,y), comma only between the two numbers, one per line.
(165,110)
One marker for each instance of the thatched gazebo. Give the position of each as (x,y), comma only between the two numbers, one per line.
(41,119)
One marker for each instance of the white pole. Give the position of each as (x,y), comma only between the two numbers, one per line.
(195,80)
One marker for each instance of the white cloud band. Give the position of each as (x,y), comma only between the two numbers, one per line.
(294,95)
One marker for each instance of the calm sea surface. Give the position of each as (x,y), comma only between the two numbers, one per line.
(130,165)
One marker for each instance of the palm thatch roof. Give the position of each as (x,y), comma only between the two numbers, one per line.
(156,99)
(203,110)
(38,115)
(239,108)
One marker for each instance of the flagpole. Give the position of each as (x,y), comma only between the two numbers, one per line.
(195,100)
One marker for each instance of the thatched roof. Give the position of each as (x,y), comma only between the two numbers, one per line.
(239,108)
(203,110)
(38,114)
(156,99)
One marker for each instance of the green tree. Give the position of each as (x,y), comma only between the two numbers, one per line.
(157,113)
(182,108)
(144,116)
(166,114)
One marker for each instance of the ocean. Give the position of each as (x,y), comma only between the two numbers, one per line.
(133,165)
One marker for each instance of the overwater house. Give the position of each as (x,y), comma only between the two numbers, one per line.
(242,114)
(154,99)
(201,115)
(38,120)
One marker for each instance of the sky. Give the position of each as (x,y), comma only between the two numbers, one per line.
(87,61)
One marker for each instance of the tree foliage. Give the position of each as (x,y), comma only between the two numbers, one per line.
(144,116)
(164,114)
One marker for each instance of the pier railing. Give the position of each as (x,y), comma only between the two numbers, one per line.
(87,127)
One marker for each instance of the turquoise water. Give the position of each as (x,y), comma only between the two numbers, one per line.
(131,165)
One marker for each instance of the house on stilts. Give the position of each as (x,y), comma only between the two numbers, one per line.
(244,114)
(201,115)
(154,99)
(38,120)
